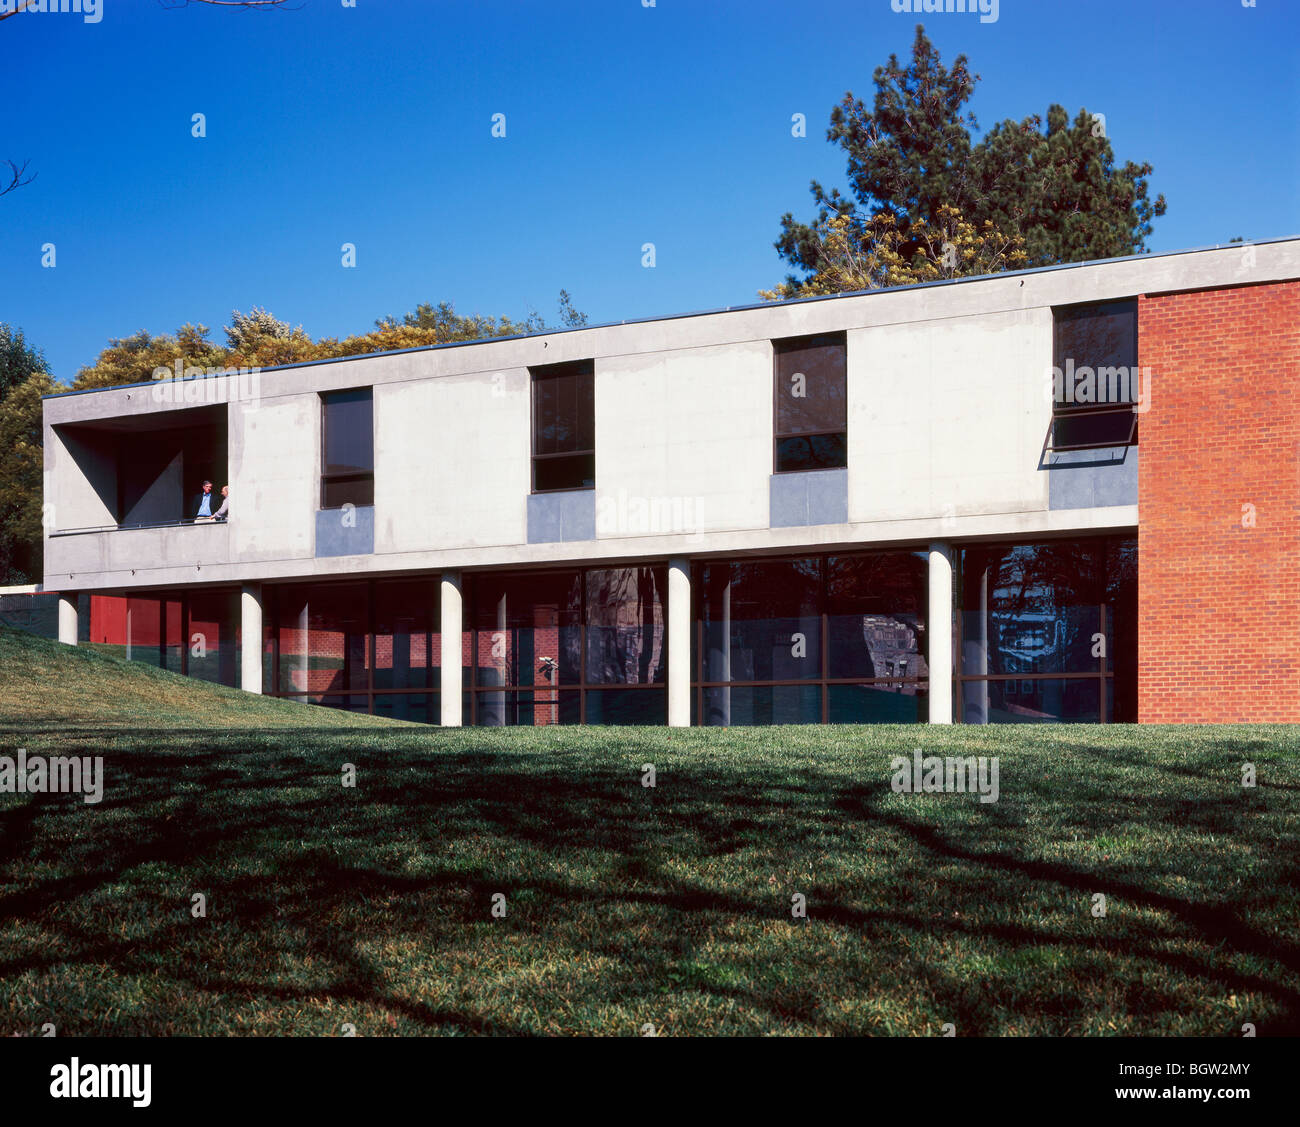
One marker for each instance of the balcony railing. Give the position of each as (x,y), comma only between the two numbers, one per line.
(181,523)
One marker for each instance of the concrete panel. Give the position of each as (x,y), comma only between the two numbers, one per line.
(162,500)
(275,477)
(345,532)
(686,435)
(554,517)
(815,497)
(947,417)
(821,538)
(1087,479)
(83,469)
(452,462)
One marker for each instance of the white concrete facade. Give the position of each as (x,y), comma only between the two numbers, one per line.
(946,415)
(948,403)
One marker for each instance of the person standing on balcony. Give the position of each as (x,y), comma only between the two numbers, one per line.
(223,513)
(205,503)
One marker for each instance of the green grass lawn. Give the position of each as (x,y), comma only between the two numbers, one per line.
(625,905)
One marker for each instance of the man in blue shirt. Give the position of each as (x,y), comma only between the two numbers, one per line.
(205,503)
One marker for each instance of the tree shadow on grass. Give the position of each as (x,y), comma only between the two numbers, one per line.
(566,811)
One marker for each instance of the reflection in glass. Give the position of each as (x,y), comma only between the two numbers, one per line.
(875,606)
(762,620)
(879,704)
(323,636)
(214,619)
(625,626)
(1101,340)
(811,403)
(407,640)
(564,426)
(746,705)
(1056,700)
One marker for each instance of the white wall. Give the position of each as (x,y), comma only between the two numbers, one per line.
(80,479)
(275,477)
(686,436)
(946,422)
(452,461)
(947,417)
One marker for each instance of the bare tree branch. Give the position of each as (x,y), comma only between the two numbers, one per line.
(15,177)
(246,4)
(22,6)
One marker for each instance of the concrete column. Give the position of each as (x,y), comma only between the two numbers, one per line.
(679,643)
(939,629)
(250,638)
(452,630)
(68,619)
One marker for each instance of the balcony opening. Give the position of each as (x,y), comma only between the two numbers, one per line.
(142,471)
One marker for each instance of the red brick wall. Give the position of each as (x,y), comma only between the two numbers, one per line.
(1219,601)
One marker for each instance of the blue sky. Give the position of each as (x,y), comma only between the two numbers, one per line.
(624,125)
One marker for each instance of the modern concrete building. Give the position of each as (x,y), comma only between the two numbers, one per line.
(1061,494)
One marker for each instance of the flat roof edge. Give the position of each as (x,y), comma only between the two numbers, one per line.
(749,307)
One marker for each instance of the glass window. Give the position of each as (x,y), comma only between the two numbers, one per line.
(421,708)
(762,620)
(875,608)
(526,709)
(811,403)
(408,644)
(625,626)
(879,704)
(1096,359)
(348,448)
(214,618)
(1049,631)
(323,632)
(627,706)
(529,628)
(1032,608)
(153,631)
(1057,700)
(564,426)
(743,706)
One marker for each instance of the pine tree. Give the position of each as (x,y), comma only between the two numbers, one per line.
(911,156)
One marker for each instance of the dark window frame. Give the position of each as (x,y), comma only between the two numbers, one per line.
(778,435)
(353,476)
(1073,412)
(823,682)
(1103,675)
(542,372)
(583,687)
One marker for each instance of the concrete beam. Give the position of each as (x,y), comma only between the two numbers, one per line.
(679,642)
(250,638)
(939,631)
(452,631)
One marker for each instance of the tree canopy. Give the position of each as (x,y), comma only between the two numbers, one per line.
(259,339)
(24,379)
(1051,191)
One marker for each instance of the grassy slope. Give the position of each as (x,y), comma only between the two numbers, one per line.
(44,682)
(628,905)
